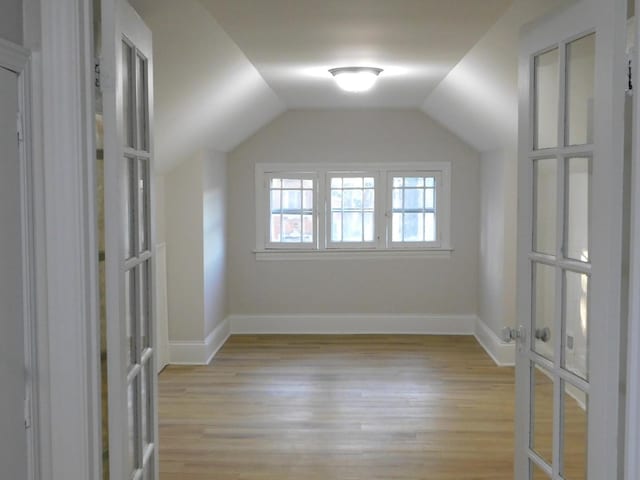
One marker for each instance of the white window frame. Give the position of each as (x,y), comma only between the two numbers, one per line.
(322,246)
(375,243)
(263,208)
(442,208)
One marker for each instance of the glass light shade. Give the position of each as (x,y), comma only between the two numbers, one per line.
(356,79)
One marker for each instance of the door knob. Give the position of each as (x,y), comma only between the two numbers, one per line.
(543,334)
(513,334)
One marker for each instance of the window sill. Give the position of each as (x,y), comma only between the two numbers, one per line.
(271,255)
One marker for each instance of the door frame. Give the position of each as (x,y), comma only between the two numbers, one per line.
(65,252)
(17,59)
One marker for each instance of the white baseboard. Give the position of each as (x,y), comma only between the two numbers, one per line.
(503,354)
(353,324)
(200,353)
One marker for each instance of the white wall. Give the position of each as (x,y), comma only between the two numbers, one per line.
(378,286)
(207,93)
(214,238)
(11,21)
(185,259)
(195,209)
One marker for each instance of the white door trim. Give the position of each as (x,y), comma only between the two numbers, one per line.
(17,59)
(632,451)
(65,243)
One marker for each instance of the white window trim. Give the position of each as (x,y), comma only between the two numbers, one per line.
(322,248)
(375,243)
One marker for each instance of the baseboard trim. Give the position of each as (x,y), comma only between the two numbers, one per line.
(353,324)
(200,353)
(503,354)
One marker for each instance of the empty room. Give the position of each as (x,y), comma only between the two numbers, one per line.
(334,240)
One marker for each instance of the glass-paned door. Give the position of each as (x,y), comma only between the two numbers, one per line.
(569,247)
(127,103)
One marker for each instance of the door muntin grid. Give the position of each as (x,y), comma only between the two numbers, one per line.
(565,361)
(137,262)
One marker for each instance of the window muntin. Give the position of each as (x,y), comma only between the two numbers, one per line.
(291,211)
(414,218)
(360,195)
(351,218)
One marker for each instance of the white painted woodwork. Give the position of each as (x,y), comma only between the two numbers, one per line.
(607,19)
(13,374)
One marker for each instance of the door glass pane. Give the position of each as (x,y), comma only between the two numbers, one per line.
(581,56)
(128,105)
(128,201)
(142,102)
(146,411)
(546,187)
(145,304)
(132,426)
(143,204)
(536,472)
(576,323)
(544,299)
(541,413)
(129,314)
(547,83)
(574,433)
(577,221)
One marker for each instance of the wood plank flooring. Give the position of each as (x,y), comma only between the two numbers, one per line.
(339,407)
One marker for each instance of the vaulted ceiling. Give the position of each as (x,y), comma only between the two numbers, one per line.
(226,68)
(293,43)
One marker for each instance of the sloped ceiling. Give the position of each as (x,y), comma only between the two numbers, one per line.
(478,99)
(207,94)
(294,43)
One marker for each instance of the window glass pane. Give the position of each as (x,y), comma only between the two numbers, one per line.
(336,227)
(577,222)
(547,83)
(291,183)
(128,86)
(541,440)
(581,55)
(576,323)
(574,433)
(430,182)
(543,334)
(291,210)
(307,229)
(352,227)
(291,228)
(414,218)
(276,228)
(130,315)
(128,189)
(545,177)
(430,227)
(353,205)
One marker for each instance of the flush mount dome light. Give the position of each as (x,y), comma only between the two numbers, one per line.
(356,79)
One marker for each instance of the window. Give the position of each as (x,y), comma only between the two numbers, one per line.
(352,209)
(337,209)
(413,208)
(291,210)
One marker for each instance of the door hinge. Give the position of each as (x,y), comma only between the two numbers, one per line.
(96,74)
(19,127)
(27,412)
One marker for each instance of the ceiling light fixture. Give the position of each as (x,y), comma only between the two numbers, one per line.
(356,79)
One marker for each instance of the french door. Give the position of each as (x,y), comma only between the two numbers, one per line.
(127,72)
(570,248)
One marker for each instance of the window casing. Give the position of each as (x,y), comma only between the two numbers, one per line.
(326,208)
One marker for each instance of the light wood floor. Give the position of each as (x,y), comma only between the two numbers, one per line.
(339,407)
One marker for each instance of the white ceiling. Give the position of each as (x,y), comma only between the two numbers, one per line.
(292,44)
